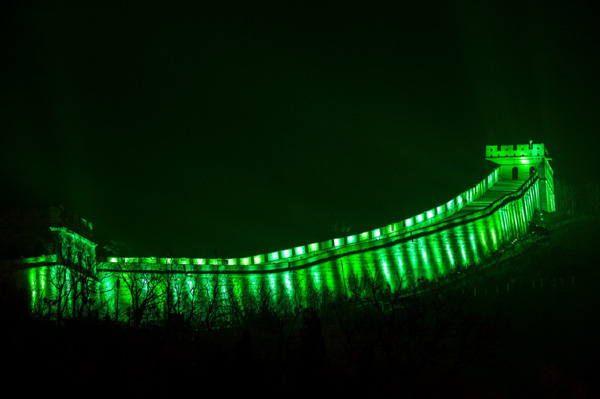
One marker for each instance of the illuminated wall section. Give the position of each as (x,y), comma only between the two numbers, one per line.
(402,254)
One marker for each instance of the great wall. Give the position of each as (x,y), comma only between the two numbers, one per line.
(460,232)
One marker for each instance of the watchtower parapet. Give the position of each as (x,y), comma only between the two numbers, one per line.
(519,150)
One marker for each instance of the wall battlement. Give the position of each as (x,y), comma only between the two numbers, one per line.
(519,150)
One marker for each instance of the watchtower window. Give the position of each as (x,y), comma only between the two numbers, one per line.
(515,173)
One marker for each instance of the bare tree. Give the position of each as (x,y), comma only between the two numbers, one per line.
(144,287)
(214,301)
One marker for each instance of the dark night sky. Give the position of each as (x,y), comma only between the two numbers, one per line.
(247,127)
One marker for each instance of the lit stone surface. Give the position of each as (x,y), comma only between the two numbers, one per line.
(460,233)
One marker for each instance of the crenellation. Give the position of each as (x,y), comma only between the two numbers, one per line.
(519,150)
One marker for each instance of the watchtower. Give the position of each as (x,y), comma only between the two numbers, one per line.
(519,162)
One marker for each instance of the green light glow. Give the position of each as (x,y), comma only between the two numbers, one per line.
(433,245)
(423,252)
(330,278)
(386,272)
(450,256)
(288,284)
(273,284)
(413,266)
(426,265)
(427,250)
(461,245)
(254,285)
(191,287)
(400,264)
(474,246)
(316,280)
